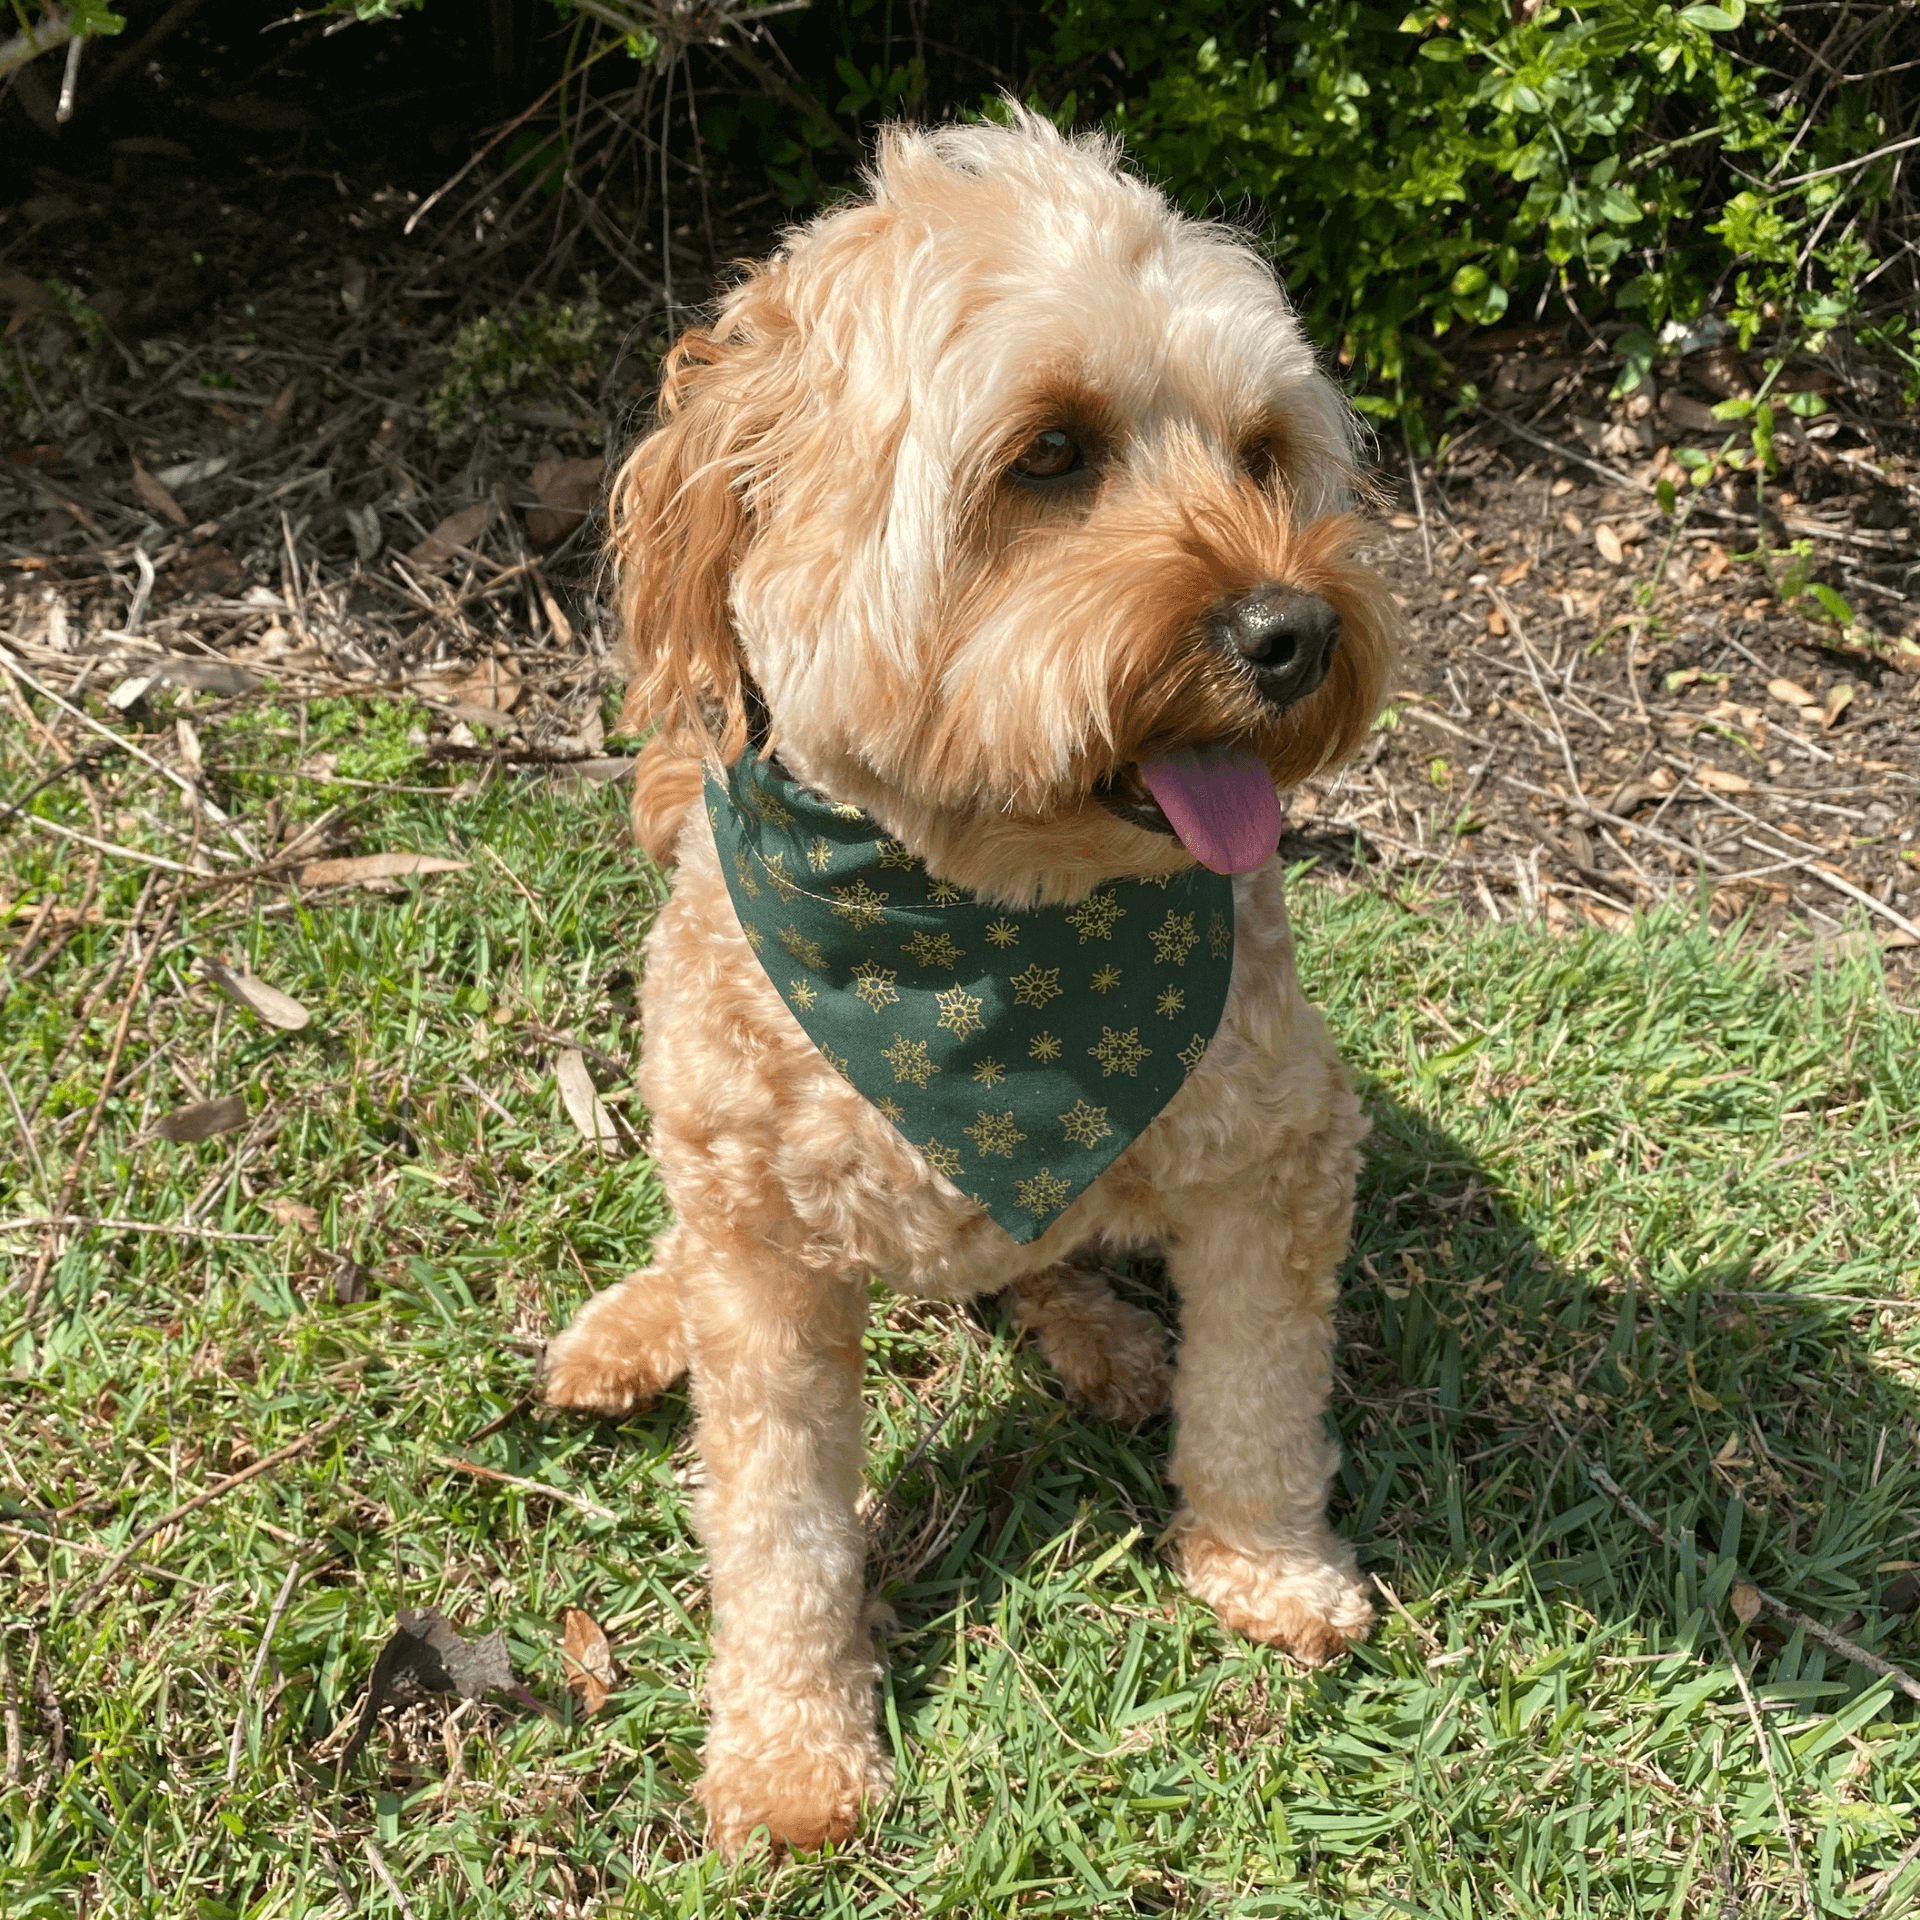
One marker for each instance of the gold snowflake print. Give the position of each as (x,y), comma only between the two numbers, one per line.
(909,1061)
(1095,917)
(1174,938)
(760,801)
(1105,980)
(1171,1002)
(1044,1047)
(1003,933)
(873,984)
(894,853)
(932,949)
(803,996)
(806,951)
(1119,1052)
(996,1133)
(1085,1126)
(744,869)
(846,810)
(784,883)
(838,1062)
(1219,936)
(1034,986)
(1043,1193)
(989,1072)
(860,905)
(1190,1055)
(941,1159)
(754,937)
(819,854)
(959,1012)
(943,893)
(891,1110)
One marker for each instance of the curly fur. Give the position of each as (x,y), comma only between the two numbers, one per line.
(821,521)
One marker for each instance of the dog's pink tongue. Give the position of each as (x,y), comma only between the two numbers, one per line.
(1221,802)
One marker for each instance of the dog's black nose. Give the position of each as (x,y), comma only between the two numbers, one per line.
(1285,637)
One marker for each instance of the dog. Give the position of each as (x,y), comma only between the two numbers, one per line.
(989,573)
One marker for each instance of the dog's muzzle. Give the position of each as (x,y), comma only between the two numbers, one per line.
(1285,638)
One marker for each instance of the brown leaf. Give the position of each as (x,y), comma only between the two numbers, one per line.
(1496,621)
(1745,1601)
(203,1119)
(460,529)
(1839,699)
(583,1104)
(566,491)
(1790,693)
(1717,780)
(424,1654)
(375,866)
(589,1657)
(1608,542)
(156,496)
(294,1213)
(1517,572)
(277,1009)
(493,686)
(1718,560)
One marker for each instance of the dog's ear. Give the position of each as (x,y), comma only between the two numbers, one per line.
(681,517)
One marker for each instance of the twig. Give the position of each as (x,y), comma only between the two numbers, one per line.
(10,1702)
(1766,1760)
(377,1861)
(1419,497)
(1788,1616)
(70,1185)
(107,846)
(259,1662)
(1890,1880)
(266,1464)
(589,1507)
(1818,872)
(107,1224)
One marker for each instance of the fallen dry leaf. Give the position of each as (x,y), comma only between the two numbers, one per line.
(294,1213)
(1496,621)
(375,866)
(1517,572)
(1717,561)
(582,1103)
(566,491)
(156,496)
(203,1119)
(1745,1601)
(1718,780)
(589,1656)
(457,530)
(1608,542)
(1790,693)
(425,1655)
(277,1009)
(1573,523)
(1839,699)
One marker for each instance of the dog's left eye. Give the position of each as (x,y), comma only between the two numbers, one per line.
(1052,455)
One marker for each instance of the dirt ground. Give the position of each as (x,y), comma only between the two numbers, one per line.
(1598,708)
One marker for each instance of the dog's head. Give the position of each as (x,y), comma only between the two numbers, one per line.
(1016,497)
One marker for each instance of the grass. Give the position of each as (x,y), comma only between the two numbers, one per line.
(1636,1200)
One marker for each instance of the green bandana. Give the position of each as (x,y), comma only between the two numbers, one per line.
(1020,1052)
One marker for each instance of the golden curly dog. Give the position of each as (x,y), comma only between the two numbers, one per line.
(1003,505)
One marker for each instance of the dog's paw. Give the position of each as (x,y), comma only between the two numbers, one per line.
(1109,1355)
(623,1351)
(802,1798)
(1314,1610)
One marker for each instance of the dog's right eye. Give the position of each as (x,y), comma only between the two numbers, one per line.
(1052,455)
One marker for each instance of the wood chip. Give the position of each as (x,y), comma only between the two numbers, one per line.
(583,1103)
(1608,542)
(277,1009)
(1719,780)
(203,1119)
(361,867)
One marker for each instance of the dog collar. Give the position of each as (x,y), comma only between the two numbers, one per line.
(1020,1052)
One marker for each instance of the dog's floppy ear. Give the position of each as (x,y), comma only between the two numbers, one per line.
(680,519)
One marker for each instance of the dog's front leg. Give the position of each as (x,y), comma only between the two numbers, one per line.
(1255,1269)
(777,1363)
